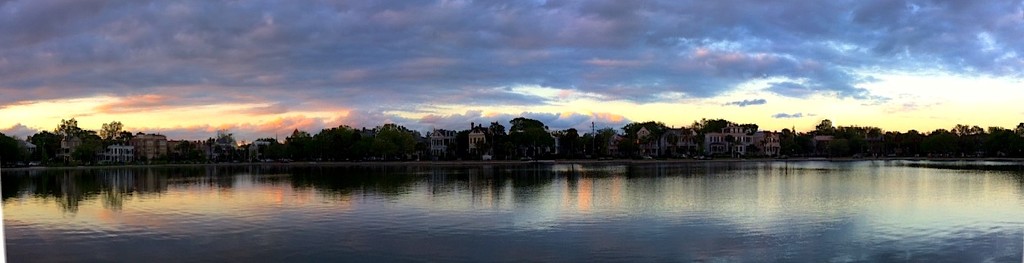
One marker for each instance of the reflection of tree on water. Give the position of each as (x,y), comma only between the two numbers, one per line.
(113,186)
(389,181)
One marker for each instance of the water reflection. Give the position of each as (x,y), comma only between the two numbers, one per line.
(772,211)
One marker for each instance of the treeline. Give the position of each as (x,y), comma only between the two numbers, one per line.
(960,141)
(526,138)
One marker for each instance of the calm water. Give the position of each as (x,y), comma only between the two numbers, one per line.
(894,211)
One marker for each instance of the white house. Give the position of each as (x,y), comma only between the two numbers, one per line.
(119,154)
(440,140)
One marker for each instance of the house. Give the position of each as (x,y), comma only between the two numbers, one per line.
(68,144)
(440,141)
(677,142)
(768,143)
(478,138)
(149,146)
(27,146)
(738,140)
(613,144)
(731,140)
(119,154)
(648,146)
(821,144)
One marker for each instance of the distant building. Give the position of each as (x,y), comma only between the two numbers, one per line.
(441,141)
(769,143)
(477,137)
(821,144)
(68,144)
(648,147)
(737,140)
(676,142)
(27,146)
(119,154)
(731,140)
(149,146)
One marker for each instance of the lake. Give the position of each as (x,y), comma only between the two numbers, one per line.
(807,211)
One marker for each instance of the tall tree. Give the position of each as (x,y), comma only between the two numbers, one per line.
(47,143)
(299,144)
(824,128)
(529,135)
(68,128)
(9,150)
(110,131)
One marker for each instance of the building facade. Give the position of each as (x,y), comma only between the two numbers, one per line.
(119,154)
(149,146)
(441,141)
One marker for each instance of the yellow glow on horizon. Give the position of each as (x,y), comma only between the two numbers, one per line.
(921,101)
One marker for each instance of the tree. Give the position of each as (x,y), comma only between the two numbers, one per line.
(10,152)
(824,128)
(68,128)
(299,145)
(940,142)
(90,147)
(338,143)
(47,143)
(393,141)
(110,131)
(498,139)
(839,147)
(707,126)
(529,135)
(604,138)
(569,142)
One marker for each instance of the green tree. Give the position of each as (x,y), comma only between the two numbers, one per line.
(394,141)
(9,150)
(824,128)
(91,146)
(110,131)
(529,135)
(569,141)
(839,147)
(604,139)
(47,145)
(69,128)
(940,142)
(337,143)
(299,145)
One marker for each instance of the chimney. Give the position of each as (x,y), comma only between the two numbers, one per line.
(472,125)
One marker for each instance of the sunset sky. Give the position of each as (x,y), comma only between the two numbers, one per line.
(264,68)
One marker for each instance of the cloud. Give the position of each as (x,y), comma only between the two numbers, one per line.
(744,103)
(380,56)
(19,131)
(791,116)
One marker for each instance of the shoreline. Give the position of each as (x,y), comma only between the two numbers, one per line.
(517,162)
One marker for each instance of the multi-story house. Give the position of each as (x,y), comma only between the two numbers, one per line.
(440,142)
(119,154)
(731,140)
(677,142)
(68,144)
(149,146)
(737,140)
(477,138)
(768,143)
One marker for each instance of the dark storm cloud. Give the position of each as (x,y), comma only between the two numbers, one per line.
(386,55)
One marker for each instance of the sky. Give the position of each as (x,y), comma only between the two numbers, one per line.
(263,68)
